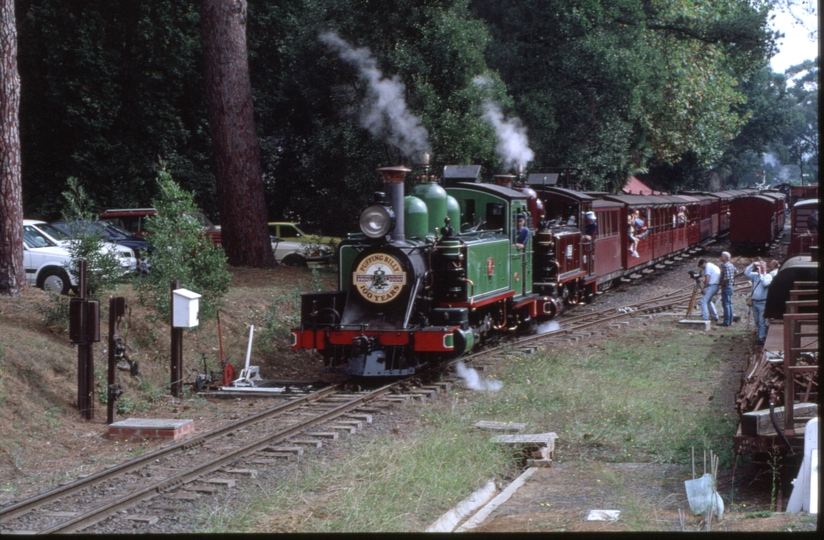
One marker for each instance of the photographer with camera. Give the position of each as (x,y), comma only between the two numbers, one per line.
(710,283)
(761,279)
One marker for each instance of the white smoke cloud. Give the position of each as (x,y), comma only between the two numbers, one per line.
(771,160)
(549,326)
(386,115)
(513,147)
(475,381)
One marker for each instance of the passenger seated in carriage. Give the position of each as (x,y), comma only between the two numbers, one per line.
(682,215)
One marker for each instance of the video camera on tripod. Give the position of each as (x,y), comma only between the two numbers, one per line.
(695,275)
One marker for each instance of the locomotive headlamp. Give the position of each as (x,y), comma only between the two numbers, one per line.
(376,221)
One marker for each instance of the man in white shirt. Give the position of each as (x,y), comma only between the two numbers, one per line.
(709,288)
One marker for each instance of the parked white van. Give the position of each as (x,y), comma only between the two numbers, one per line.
(46,263)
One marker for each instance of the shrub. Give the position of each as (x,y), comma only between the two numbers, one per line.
(103,271)
(181,252)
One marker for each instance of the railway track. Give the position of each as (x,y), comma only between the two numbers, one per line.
(114,500)
(190,466)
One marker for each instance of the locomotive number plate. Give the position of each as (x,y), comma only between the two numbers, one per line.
(490,266)
(379,278)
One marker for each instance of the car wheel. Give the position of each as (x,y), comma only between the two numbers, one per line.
(143,267)
(54,280)
(295,261)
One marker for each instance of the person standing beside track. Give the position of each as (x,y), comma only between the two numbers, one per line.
(761,279)
(727,279)
(709,288)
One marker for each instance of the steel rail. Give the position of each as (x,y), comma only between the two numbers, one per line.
(185,477)
(28,505)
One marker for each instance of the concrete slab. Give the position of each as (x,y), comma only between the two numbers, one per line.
(151,428)
(697,322)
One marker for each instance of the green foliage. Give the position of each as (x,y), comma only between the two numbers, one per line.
(319,163)
(613,87)
(103,270)
(181,252)
(282,314)
(55,310)
(108,88)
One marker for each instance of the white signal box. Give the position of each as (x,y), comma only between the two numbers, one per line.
(185,308)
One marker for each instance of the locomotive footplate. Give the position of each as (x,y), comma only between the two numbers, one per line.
(437,339)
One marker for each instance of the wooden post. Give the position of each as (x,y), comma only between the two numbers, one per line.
(117,308)
(85,356)
(177,347)
(692,302)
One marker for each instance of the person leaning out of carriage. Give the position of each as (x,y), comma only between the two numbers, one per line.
(761,278)
(591,227)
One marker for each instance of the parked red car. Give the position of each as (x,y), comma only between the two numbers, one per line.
(133,220)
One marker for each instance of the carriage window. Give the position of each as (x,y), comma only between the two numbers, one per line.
(607,224)
(469,212)
(494,216)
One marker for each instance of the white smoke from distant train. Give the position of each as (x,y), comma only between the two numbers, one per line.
(770,159)
(386,115)
(549,326)
(513,146)
(475,381)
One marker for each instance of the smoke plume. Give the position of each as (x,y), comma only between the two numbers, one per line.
(513,147)
(475,381)
(385,115)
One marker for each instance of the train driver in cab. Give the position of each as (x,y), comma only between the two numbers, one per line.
(523,233)
(591,227)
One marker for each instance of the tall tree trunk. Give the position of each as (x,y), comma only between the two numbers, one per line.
(12,270)
(235,149)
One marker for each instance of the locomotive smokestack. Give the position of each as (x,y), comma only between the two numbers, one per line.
(504,180)
(393,180)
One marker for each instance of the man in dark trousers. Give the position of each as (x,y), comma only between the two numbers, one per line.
(727,279)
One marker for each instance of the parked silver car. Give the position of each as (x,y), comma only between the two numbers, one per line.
(301,254)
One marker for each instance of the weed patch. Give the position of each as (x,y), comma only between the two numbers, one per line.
(379,489)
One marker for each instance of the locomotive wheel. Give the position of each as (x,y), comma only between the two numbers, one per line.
(529,326)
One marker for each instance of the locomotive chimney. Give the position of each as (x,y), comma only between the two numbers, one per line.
(504,180)
(393,180)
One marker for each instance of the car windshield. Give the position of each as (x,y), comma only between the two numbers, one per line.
(52,231)
(117,229)
(203,220)
(35,239)
(78,228)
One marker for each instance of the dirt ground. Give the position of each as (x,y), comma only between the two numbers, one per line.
(648,496)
